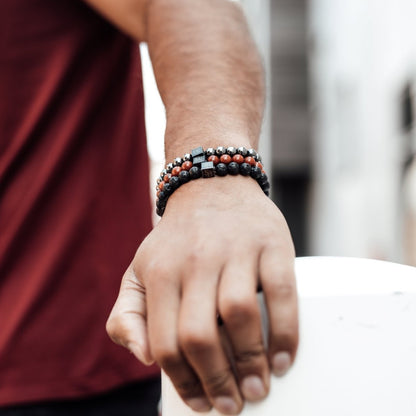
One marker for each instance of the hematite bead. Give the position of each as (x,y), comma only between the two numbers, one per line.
(220,150)
(252,153)
(231,151)
(178,161)
(184,176)
(255,172)
(195,172)
(267,193)
(257,157)
(164,172)
(210,152)
(199,159)
(197,152)
(174,182)
(169,167)
(245,169)
(233,168)
(221,169)
(187,157)
(242,151)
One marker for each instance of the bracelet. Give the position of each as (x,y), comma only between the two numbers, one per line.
(208,163)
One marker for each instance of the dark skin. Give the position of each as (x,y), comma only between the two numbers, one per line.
(218,238)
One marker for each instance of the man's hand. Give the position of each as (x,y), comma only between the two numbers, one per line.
(218,239)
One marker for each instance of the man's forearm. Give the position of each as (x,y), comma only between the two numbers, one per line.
(208,72)
(206,65)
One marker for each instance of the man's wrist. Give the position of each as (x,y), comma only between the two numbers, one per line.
(208,163)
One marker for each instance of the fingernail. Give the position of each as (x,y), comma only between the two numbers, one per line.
(226,405)
(281,363)
(252,388)
(199,404)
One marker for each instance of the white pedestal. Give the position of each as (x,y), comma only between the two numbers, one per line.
(357,354)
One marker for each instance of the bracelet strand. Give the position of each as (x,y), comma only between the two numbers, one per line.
(208,163)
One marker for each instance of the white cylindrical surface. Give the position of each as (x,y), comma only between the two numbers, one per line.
(357,354)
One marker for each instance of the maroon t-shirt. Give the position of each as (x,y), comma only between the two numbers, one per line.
(74,199)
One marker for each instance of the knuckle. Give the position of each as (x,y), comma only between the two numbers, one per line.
(189,388)
(219,382)
(238,310)
(285,337)
(249,355)
(196,341)
(168,358)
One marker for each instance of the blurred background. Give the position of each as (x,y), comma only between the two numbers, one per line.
(338,136)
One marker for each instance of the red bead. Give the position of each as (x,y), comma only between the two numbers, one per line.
(259,165)
(187,165)
(238,159)
(225,159)
(250,160)
(161,185)
(214,159)
(176,170)
(167,177)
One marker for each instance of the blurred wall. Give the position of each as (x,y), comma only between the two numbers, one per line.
(363,65)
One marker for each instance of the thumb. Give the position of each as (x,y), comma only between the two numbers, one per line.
(126,324)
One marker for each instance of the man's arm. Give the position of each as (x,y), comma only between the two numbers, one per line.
(219,237)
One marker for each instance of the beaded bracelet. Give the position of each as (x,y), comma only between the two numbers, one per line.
(202,163)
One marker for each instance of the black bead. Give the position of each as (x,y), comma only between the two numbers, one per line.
(265,186)
(159,211)
(233,168)
(267,193)
(163,196)
(168,189)
(221,169)
(263,179)
(174,182)
(255,172)
(195,172)
(245,169)
(184,176)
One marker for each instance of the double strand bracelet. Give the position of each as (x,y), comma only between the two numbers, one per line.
(208,163)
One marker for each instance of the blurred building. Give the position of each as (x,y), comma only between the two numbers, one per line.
(362,71)
(342,121)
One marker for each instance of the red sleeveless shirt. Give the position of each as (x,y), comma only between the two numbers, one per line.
(74,199)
